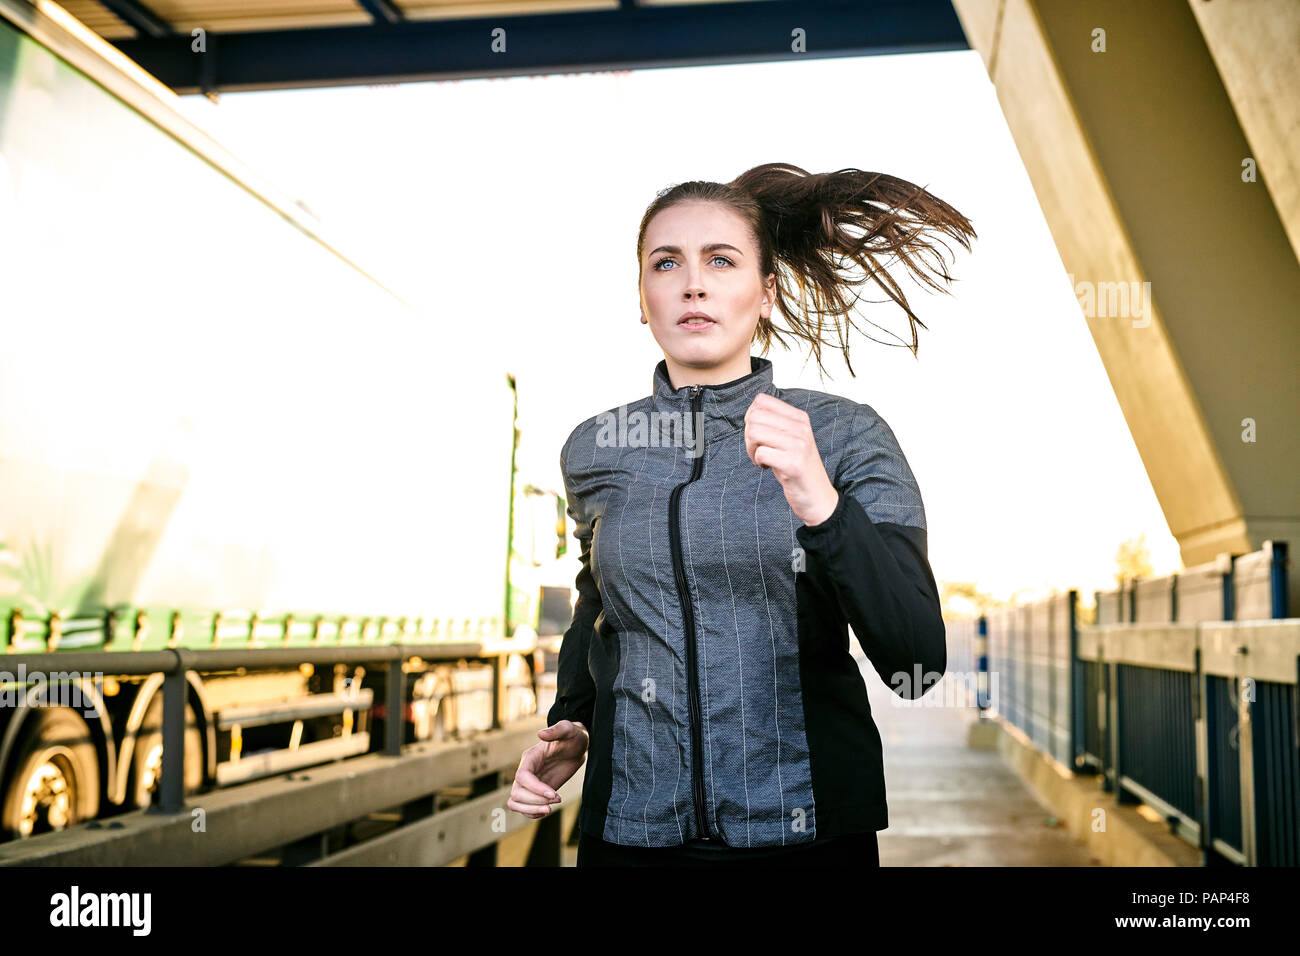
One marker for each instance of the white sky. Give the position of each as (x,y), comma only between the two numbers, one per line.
(508,209)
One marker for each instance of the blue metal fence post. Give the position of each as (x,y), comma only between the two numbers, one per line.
(1277,578)
(1075,671)
(1117,732)
(1226,563)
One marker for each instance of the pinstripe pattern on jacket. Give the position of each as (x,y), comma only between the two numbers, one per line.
(788,747)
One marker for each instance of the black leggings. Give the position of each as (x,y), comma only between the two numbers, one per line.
(854,849)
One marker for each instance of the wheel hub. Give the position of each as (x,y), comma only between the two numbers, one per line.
(48,795)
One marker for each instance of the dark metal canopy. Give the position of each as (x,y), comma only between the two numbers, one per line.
(382,41)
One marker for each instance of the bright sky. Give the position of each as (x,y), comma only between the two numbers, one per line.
(508,209)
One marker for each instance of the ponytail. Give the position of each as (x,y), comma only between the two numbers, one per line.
(817,228)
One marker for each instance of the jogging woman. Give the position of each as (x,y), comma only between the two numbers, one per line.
(732,531)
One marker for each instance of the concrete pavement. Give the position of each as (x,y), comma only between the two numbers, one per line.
(950,805)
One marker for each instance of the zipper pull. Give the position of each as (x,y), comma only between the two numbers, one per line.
(695,390)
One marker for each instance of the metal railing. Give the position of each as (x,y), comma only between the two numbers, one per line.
(1032,674)
(128,628)
(477,762)
(1175,697)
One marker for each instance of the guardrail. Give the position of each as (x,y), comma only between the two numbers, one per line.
(130,628)
(1172,701)
(133,838)
(1199,721)
(1242,587)
(1033,682)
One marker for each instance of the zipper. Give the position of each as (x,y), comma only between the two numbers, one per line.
(688,614)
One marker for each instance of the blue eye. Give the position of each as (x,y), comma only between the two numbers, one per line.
(667,259)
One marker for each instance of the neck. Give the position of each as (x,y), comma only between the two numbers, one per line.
(722,404)
(737,366)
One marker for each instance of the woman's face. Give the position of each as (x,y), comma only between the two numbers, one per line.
(699,258)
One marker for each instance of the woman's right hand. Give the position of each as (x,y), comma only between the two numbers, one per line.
(546,766)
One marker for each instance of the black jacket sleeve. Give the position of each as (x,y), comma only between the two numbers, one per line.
(870,553)
(575,691)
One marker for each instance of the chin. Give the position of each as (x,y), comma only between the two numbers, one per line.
(701,353)
(695,342)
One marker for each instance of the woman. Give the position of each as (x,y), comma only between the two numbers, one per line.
(731,530)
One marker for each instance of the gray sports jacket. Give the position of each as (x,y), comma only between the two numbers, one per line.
(708,652)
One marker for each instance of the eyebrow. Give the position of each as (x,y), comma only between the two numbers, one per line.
(710,247)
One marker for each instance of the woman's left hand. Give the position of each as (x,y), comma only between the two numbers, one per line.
(780,436)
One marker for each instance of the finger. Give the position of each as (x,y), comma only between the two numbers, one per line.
(526,778)
(776,438)
(792,427)
(780,427)
(773,405)
(559,730)
(531,759)
(776,459)
(520,795)
(753,447)
(535,813)
(764,400)
(765,429)
(765,455)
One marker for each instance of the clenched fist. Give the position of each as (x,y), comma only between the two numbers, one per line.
(780,436)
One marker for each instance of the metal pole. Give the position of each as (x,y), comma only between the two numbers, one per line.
(172,785)
(506,626)
(395,709)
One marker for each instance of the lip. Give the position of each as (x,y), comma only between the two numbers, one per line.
(698,315)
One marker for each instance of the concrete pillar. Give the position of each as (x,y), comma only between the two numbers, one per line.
(1133,126)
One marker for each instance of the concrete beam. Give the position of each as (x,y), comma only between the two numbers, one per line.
(1184,270)
(1256,46)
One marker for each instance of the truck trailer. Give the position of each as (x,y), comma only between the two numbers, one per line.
(218,431)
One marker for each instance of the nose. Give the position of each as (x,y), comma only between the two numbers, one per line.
(694,284)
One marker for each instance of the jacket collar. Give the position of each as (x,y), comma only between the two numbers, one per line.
(722,406)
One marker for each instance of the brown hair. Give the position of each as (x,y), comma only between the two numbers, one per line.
(808,223)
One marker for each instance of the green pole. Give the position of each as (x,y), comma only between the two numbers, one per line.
(510,533)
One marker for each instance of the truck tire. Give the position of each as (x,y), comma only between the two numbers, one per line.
(146,757)
(55,783)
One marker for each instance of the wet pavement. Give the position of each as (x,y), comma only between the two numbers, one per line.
(950,805)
